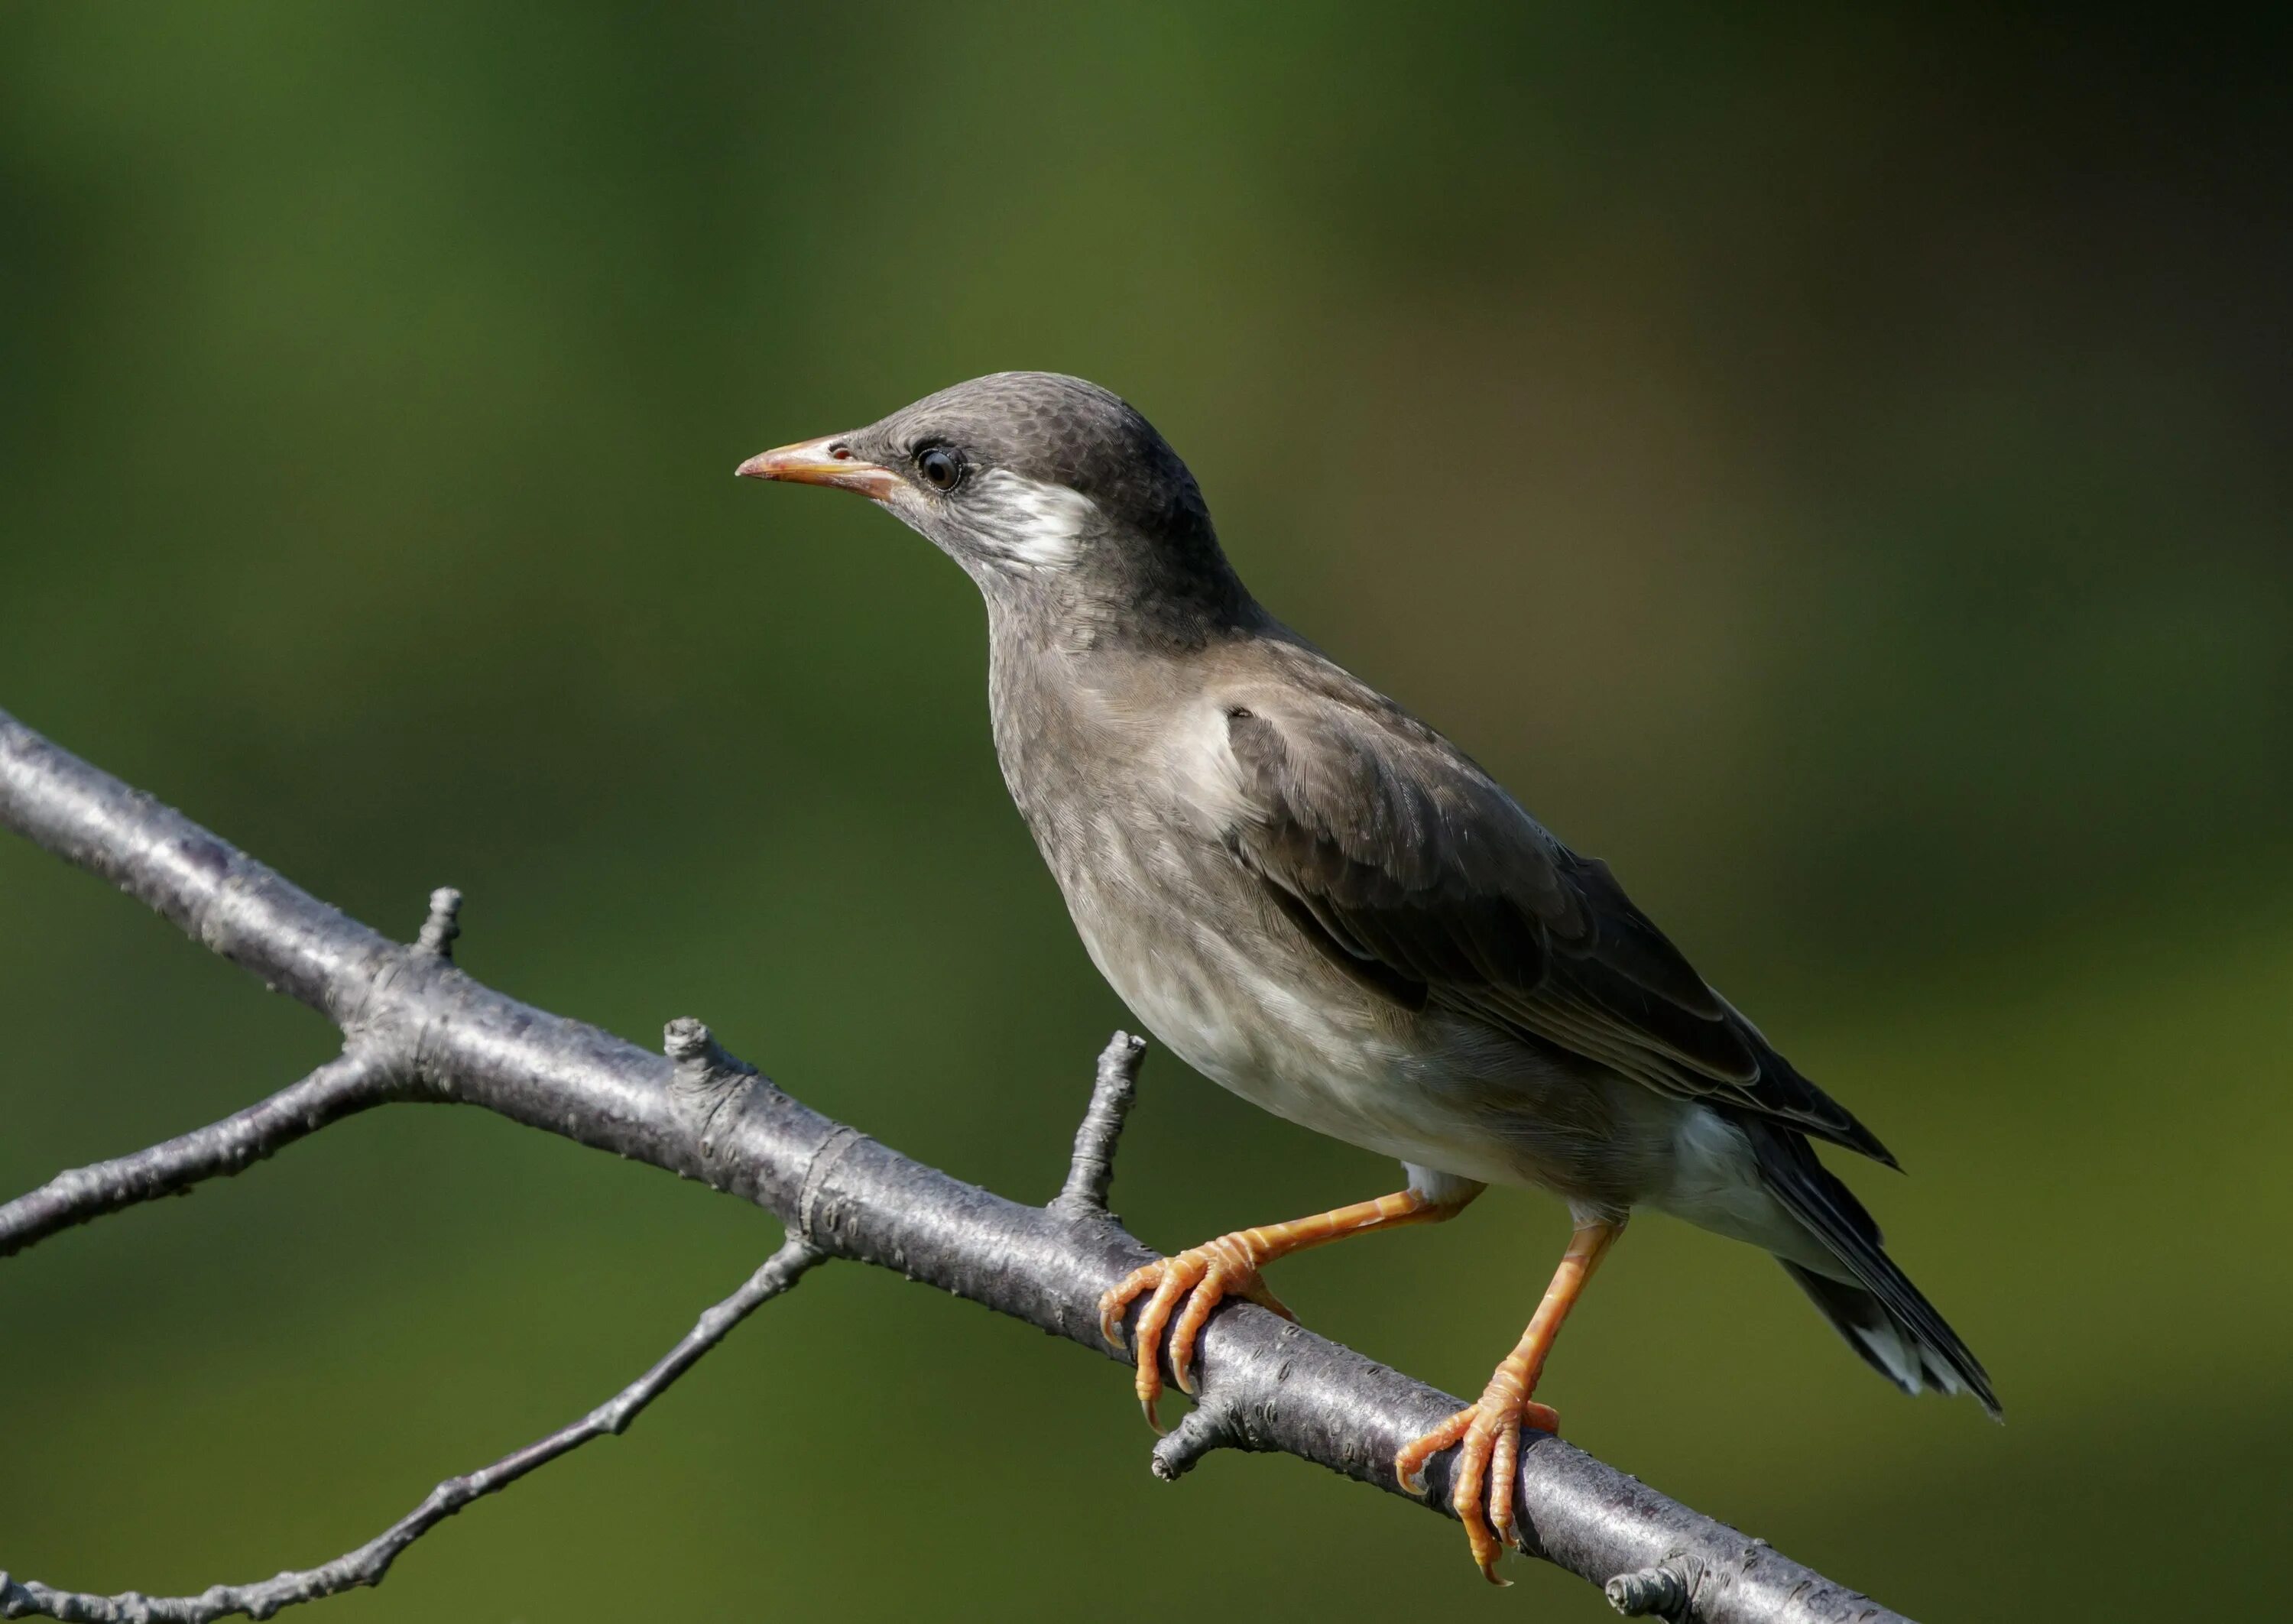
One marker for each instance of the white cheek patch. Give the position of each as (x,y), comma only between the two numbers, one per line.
(1030,523)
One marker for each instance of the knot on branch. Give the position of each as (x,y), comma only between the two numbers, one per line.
(1663,1591)
(813,1186)
(707,1080)
(691,1044)
(443,925)
(1115,1085)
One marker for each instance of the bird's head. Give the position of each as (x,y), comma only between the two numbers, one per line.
(1046,489)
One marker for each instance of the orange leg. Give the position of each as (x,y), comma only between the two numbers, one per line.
(1490,1430)
(1228,1267)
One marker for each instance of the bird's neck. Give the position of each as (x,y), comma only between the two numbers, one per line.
(1120,605)
(1079,684)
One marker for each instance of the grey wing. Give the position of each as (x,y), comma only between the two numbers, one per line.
(1410,868)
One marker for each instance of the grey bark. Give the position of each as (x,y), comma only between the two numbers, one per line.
(416,1027)
(359,1078)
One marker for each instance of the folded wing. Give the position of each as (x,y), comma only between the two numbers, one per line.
(1417,874)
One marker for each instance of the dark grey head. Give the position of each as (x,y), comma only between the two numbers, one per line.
(1046,489)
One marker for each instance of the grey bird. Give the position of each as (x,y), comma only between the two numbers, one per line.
(1321,904)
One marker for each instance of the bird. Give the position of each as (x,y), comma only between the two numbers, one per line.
(1318,901)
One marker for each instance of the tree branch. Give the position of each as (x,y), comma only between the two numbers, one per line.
(1090,1176)
(1267,1385)
(357,1079)
(370,1562)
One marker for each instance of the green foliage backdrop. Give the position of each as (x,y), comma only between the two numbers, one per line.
(1832,464)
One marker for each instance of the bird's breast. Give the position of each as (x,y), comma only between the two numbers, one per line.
(1130,794)
(1179,931)
(1189,942)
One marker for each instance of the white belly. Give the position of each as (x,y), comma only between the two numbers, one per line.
(1285,1030)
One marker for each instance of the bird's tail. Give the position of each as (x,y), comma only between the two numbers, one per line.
(1881,1315)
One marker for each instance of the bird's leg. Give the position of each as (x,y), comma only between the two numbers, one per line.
(1490,1430)
(1229,1266)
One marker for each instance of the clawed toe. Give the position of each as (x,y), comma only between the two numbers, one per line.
(1204,1277)
(1481,1488)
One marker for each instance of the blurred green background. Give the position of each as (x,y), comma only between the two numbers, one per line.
(1831,464)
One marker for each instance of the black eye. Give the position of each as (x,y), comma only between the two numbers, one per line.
(940,468)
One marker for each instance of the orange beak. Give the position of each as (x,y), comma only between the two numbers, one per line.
(827,461)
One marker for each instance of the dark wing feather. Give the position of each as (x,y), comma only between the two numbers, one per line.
(1418,875)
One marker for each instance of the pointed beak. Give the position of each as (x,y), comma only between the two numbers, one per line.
(827,461)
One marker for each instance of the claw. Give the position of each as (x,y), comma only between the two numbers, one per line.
(1487,1437)
(1409,1464)
(1204,1277)
(1111,1307)
(1503,1461)
(1473,1494)
(1489,1434)
(1228,1267)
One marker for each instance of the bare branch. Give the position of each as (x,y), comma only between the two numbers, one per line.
(1090,1176)
(368,1564)
(443,925)
(1273,1386)
(352,1082)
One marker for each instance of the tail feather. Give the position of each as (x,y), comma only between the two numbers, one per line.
(1881,1315)
(1873,1333)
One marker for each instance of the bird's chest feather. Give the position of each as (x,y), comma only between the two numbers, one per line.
(1180,933)
(1127,797)
(1131,789)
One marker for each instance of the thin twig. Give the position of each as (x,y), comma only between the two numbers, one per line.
(370,1562)
(1281,1388)
(1090,1176)
(355,1081)
(443,925)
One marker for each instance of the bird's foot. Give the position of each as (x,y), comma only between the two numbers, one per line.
(1205,1276)
(1481,1489)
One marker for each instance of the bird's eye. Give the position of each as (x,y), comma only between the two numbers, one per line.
(940,468)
